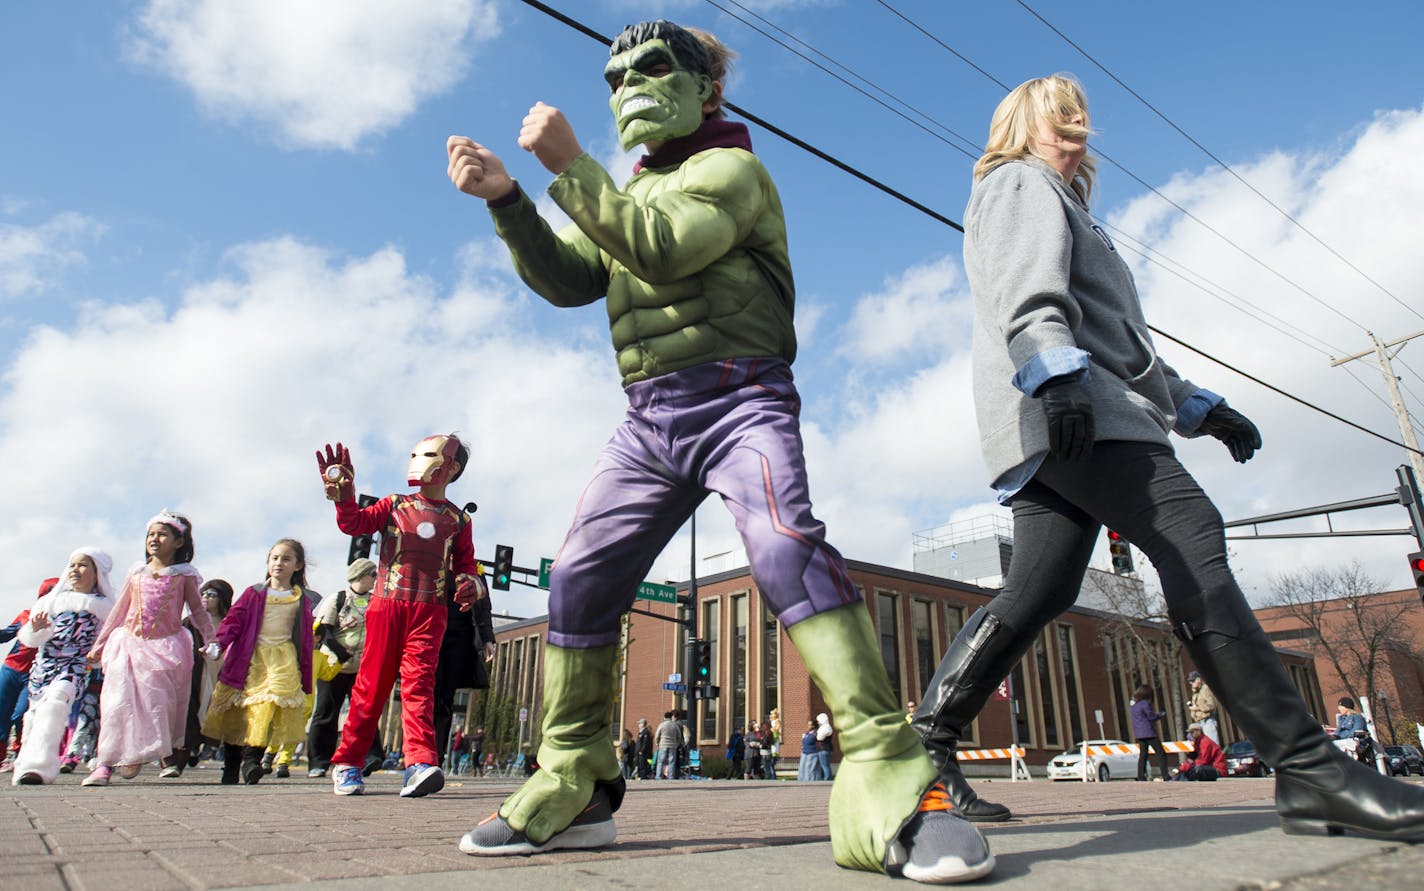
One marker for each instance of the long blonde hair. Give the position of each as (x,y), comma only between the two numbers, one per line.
(1056,99)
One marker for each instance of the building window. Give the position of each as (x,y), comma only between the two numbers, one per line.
(739,659)
(1072,695)
(710,619)
(926,653)
(770,662)
(1047,701)
(953,621)
(889,622)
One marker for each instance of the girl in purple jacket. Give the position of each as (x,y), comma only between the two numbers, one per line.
(267,642)
(1144,728)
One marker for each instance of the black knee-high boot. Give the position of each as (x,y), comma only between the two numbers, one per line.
(252,764)
(982,655)
(1319,791)
(232,764)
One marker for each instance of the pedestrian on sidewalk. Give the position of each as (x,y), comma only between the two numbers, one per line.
(63,626)
(770,747)
(1202,707)
(1144,729)
(808,769)
(754,746)
(690,257)
(645,750)
(1074,408)
(147,655)
(736,753)
(261,695)
(15,681)
(216,595)
(427,559)
(627,753)
(669,740)
(341,634)
(825,745)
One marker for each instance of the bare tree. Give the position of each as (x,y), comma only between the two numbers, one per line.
(1348,622)
(1138,645)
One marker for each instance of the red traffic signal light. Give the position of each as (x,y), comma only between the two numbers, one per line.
(1121,553)
(1416,566)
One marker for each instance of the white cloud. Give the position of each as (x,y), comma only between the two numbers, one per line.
(216,407)
(319,75)
(1363,200)
(31,256)
(920,310)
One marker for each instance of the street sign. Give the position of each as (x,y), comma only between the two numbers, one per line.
(546,565)
(659,593)
(675,678)
(676,688)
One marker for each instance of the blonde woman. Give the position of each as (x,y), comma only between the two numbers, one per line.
(1074,411)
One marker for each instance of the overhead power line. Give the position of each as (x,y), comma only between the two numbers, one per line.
(1144,183)
(802,144)
(1224,166)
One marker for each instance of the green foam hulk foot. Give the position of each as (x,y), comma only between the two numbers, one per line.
(577,751)
(884,770)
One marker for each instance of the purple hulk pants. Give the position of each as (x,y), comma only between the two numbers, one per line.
(727,427)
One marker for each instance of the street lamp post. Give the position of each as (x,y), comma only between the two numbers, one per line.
(1388,722)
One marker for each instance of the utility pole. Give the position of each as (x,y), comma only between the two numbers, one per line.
(1406,428)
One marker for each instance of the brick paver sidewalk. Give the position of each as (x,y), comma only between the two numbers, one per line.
(192,833)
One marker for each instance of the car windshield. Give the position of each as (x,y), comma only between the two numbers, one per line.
(1245,747)
(1394,750)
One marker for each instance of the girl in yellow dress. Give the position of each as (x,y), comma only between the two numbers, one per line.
(267,645)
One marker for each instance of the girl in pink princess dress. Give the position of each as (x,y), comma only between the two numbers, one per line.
(147,654)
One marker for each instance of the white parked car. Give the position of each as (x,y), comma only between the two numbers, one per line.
(1102,768)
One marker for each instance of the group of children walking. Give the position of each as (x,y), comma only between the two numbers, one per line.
(138,639)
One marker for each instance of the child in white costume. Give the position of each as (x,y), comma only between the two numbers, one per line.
(63,626)
(147,654)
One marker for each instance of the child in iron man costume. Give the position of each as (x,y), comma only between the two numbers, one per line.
(427,555)
(690,259)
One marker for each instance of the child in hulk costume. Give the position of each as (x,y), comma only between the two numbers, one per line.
(691,258)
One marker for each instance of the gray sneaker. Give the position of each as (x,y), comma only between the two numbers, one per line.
(592,828)
(938,846)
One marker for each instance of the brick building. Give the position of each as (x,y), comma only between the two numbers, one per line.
(1080,672)
(1395,620)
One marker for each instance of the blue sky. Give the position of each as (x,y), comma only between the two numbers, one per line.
(226,237)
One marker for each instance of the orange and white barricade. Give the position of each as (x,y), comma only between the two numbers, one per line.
(1018,768)
(1177,746)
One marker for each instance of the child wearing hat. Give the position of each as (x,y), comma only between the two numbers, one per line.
(341,633)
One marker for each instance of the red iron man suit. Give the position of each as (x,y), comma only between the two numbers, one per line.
(427,555)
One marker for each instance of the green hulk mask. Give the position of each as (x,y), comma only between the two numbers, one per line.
(655,98)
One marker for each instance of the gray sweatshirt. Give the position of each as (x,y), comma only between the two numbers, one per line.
(1048,282)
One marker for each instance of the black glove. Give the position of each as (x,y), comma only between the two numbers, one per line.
(1070,418)
(1233,428)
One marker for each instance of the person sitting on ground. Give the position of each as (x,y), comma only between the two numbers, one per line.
(1207,762)
(1348,720)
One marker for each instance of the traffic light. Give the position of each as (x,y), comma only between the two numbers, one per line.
(1416,566)
(503,566)
(701,663)
(1121,553)
(361,544)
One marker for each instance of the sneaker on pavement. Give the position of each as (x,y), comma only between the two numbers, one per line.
(938,846)
(347,780)
(100,776)
(316,773)
(282,772)
(593,828)
(422,779)
(7,765)
(170,772)
(129,771)
(68,764)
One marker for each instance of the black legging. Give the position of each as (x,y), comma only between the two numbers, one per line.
(1144,744)
(1138,489)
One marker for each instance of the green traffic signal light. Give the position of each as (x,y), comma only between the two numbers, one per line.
(503,566)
